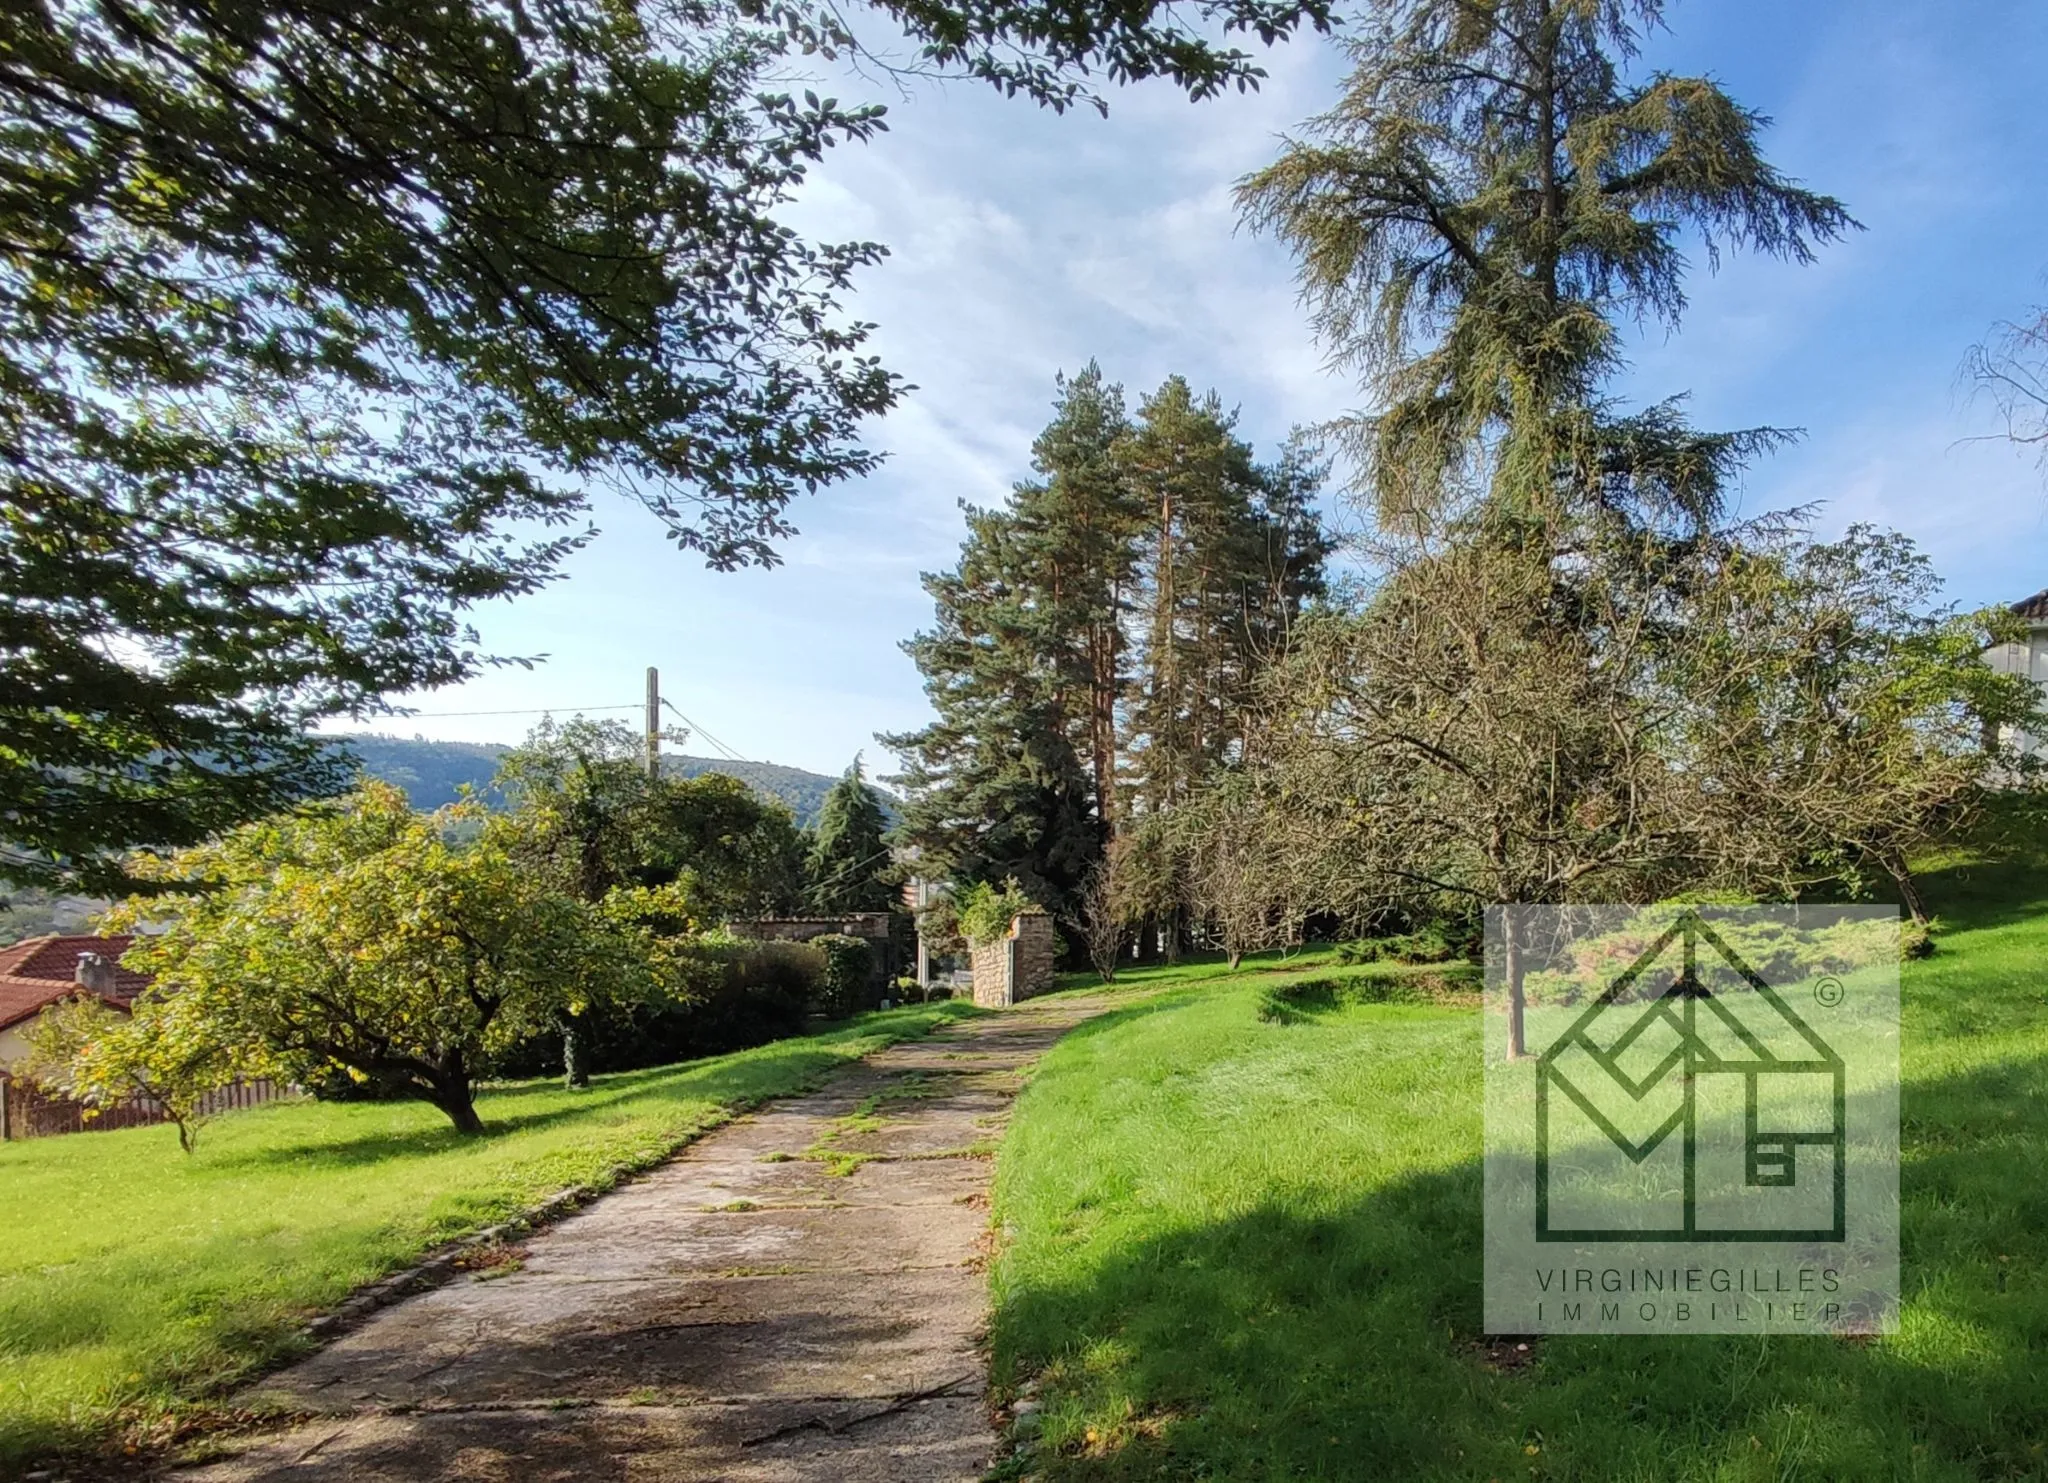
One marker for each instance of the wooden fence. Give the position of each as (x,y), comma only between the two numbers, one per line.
(26,1112)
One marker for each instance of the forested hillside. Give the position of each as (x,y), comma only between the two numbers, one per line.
(432,772)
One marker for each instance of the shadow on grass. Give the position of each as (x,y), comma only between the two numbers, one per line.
(734,1079)
(1201,967)
(1282,1343)
(1975,895)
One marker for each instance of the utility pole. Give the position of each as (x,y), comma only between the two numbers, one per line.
(575,1074)
(653,723)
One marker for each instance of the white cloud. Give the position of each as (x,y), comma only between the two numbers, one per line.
(1024,243)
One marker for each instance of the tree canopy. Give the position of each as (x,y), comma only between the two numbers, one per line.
(1490,198)
(363,939)
(1098,641)
(590,816)
(320,325)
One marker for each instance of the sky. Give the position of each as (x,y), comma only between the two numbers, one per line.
(1024,243)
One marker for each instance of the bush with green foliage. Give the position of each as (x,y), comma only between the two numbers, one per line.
(1304,998)
(848,982)
(985,912)
(725,995)
(361,938)
(1431,944)
(1776,948)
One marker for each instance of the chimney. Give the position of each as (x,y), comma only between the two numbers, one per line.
(95,974)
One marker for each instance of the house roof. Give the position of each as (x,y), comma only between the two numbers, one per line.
(37,972)
(2033,607)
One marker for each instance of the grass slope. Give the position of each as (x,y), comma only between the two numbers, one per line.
(1250,1250)
(136,1283)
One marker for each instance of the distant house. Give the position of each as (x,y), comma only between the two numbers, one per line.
(2028,657)
(37,972)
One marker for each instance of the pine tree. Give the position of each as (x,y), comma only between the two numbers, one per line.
(995,787)
(1101,631)
(1016,778)
(1077,526)
(1485,205)
(1230,552)
(848,868)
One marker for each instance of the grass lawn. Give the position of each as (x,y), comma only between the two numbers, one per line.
(1245,1249)
(136,1283)
(1266,968)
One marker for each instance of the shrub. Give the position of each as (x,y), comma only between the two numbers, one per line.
(1780,951)
(1431,944)
(753,992)
(846,985)
(728,995)
(986,912)
(1304,998)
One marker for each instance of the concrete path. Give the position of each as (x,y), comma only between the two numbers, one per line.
(798,1295)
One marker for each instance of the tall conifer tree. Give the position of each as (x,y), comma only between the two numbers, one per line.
(848,867)
(1076,526)
(1229,553)
(1487,202)
(996,788)
(1042,666)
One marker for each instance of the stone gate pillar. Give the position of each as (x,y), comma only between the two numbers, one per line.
(1017,965)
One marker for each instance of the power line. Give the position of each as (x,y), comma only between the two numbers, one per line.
(844,871)
(539,710)
(550,710)
(730,754)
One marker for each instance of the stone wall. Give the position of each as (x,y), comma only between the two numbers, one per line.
(1015,967)
(871,926)
(992,973)
(1034,954)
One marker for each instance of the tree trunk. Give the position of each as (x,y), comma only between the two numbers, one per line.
(1511,967)
(1103,688)
(456,1097)
(574,1073)
(1909,890)
(1236,956)
(461,1109)
(1148,940)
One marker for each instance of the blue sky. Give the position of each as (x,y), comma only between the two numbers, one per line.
(1024,244)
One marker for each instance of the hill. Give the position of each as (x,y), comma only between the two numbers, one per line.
(432,772)
(804,792)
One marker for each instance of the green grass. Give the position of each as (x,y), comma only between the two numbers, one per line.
(1150,976)
(136,1284)
(1243,1249)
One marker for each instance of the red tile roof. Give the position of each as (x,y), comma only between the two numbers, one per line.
(39,971)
